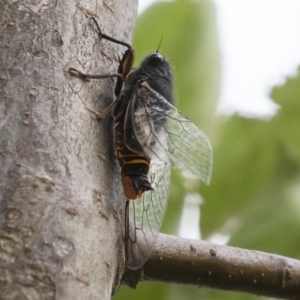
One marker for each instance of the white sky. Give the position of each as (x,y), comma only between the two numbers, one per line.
(260,47)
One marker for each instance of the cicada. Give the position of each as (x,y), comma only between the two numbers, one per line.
(151,136)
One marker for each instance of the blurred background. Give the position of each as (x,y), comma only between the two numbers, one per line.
(237,78)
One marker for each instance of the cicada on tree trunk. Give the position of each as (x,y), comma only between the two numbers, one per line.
(151,136)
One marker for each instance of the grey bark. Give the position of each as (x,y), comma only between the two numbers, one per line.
(61,205)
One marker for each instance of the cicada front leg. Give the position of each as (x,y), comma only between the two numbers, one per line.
(87,77)
(125,65)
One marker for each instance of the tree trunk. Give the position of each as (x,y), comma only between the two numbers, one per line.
(61,203)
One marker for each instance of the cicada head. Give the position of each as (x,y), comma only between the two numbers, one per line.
(158,70)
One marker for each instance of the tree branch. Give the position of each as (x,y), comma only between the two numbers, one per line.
(202,264)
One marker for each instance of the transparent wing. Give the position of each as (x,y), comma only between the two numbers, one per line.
(165,133)
(168,138)
(146,215)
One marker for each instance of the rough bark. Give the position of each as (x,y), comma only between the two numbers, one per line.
(203,264)
(61,205)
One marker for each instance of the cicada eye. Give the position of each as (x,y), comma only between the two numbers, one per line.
(156,58)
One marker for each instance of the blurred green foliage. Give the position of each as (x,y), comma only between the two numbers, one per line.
(254,195)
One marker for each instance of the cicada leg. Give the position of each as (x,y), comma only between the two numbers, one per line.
(126,62)
(83,76)
(86,77)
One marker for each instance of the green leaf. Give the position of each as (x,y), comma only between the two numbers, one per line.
(256,179)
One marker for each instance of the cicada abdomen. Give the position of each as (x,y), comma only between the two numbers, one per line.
(134,165)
